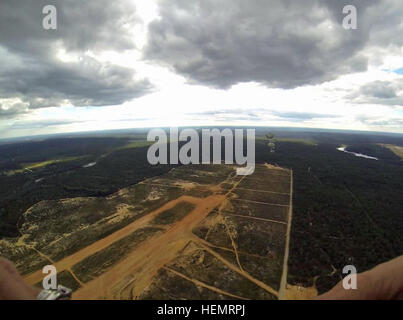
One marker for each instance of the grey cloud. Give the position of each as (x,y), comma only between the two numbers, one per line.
(280,43)
(229,115)
(379,89)
(303,115)
(87,83)
(379,92)
(9,111)
(31,71)
(250,113)
(396,122)
(261,114)
(376,122)
(82,25)
(39,124)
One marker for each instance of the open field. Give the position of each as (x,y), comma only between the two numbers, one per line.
(307,141)
(38,165)
(395,149)
(175,214)
(195,232)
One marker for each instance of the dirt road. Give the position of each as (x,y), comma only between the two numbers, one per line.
(68,262)
(141,265)
(128,278)
(283,284)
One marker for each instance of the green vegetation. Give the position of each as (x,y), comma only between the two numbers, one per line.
(395,149)
(60,180)
(81,239)
(64,227)
(25,258)
(258,210)
(296,140)
(203,266)
(135,144)
(262,196)
(217,235)
(263,238)
(66,279)
(275,183)
(93,266)
(347,210)
(174,214)
(267,270)
(309,142)
(178,289)
(373,150)
(38,165)
(198,193)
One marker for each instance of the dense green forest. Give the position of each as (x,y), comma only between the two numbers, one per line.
(347,210)
(116,167)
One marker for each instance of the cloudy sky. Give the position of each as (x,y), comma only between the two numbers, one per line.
(136,63)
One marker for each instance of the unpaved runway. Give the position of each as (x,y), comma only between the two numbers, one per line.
(68,262)
(142,264)
(128,278)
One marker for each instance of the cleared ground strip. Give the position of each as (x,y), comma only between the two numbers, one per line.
(198,232)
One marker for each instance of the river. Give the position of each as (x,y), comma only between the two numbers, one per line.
(90,165)
(343,149)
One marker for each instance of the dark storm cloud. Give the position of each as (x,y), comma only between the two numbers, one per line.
(280,43)
(82,25)
(31,71)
